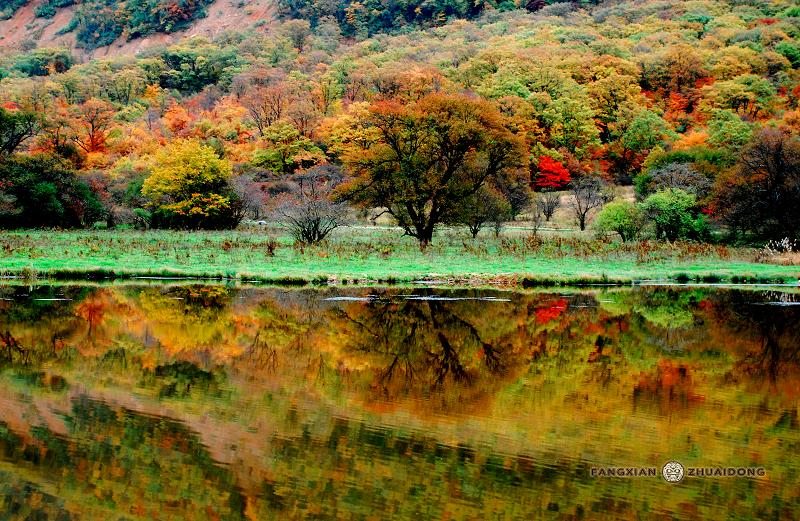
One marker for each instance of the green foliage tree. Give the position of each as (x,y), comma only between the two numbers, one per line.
(608,94)
(621,217)
(286,149)
(196,64)
(726,130)
(646,131)
(44,62)
(674,215)
(570,121)
(636,134)
(16,126)
(791,51)
(41,191)
(747,94)
(676,69)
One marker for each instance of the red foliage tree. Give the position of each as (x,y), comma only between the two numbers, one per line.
(795,97)
(552,175)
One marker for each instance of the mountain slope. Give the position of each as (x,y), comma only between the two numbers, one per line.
(78,27)
(98,28)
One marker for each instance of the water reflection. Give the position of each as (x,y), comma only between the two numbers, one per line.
(213,402)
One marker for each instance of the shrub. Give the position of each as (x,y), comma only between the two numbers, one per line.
(9,7)
(486,206)
(673,213)
(100,22)
(307,208)
(47,9)
(368,17)
(621,217)
(96,25)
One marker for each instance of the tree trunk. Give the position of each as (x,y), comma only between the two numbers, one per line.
(425,234)
(474,230)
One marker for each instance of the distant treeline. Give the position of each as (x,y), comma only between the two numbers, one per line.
(368,17)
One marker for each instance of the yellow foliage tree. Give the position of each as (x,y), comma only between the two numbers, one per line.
(185,167)
(188,188)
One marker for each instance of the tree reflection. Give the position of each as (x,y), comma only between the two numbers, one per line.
(223,403)
(419,347)
(109,450)
(668,388)
(771,323)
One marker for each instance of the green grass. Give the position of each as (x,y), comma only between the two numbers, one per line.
(373,255)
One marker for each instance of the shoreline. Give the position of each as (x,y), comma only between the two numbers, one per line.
(377,256)
(501,281)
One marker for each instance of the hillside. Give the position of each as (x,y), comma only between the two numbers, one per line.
(98,28)
(90,28)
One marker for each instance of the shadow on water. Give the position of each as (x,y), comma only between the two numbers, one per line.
(215,402)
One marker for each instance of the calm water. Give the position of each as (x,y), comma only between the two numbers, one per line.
(208,402)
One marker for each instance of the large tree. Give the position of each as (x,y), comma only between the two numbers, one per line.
(90,123)
(760,195)
(426,158)
(15,127)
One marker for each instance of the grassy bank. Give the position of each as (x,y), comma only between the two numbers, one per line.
(374,254)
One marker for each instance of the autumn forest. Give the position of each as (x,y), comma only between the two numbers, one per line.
(439,115)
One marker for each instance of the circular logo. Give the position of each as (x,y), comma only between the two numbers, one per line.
(673,472)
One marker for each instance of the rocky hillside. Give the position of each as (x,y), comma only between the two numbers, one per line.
(97,28)
(100,28)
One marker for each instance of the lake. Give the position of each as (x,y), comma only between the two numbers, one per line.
(217,402)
